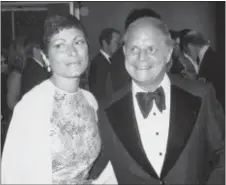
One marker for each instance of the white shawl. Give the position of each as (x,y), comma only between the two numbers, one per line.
(27,152)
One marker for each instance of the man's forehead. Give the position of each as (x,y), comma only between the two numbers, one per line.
(148,24)
(115,35)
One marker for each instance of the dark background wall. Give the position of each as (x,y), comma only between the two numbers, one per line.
(200,16)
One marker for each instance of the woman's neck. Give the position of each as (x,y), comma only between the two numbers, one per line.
(70,85)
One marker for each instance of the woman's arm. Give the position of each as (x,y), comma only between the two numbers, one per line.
(13,89)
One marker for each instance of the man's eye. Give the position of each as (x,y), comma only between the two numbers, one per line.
(80,42)
(151,50)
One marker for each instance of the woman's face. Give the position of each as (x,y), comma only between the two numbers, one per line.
(68,53)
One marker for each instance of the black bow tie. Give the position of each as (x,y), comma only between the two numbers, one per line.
(145,100)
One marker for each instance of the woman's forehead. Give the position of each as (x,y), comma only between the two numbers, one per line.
(68,33)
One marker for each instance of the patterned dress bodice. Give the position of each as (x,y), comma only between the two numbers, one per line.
(75,138)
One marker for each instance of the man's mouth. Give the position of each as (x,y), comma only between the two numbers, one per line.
(73,64)
(142,67)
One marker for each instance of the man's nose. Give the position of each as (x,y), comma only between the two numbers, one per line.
(142,55)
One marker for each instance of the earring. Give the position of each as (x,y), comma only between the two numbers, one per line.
(49,68)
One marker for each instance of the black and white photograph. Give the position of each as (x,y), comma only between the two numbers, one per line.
(113,92)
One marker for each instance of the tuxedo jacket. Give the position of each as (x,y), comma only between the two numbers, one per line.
(99,77)
(32,75)
(212,70)
(195,148)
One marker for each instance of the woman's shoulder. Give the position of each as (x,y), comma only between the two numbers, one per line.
(38,92)
(90,98)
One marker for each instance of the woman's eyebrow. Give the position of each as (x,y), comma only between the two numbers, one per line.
(58,39)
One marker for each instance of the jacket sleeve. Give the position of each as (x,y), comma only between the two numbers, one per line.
(215,137)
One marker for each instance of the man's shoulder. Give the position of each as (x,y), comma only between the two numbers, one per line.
(99,59)
(118,56)
(195,87)
(119,94)
(99,56)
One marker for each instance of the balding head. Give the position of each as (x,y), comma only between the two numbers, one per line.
(148,48)
(152,25)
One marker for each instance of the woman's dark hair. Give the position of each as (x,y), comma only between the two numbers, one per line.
(55,23)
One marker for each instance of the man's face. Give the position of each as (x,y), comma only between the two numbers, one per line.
(146,54)
(114,43)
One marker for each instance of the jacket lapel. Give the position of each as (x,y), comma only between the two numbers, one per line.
(122,118)
(183,115)
(205,65)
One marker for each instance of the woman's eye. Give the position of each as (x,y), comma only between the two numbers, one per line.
(59,46)
(134,49)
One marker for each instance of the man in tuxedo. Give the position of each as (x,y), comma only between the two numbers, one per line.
(180,64)
(119,75)
(35,70)
(99,75)
(157,129)
(206,62)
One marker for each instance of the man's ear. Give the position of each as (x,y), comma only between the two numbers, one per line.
(45,59)
(168,57)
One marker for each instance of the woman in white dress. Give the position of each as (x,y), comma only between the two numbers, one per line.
(53,137)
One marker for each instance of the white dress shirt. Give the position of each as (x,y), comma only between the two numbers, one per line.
(105,55)
(154,129)
(38,62)
(194,63)
(202,53)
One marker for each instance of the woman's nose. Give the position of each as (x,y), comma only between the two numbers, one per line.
(71,50)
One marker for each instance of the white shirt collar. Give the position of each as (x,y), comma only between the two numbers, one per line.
(202,52)
(40,63)
(194,63)
(105,55)
(165,85)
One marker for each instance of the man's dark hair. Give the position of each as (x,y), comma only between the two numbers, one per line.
(174,34)
(106,35)
(195,39)
(139,13)
(182,35)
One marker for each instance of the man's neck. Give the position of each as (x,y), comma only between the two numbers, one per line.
(150,87)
